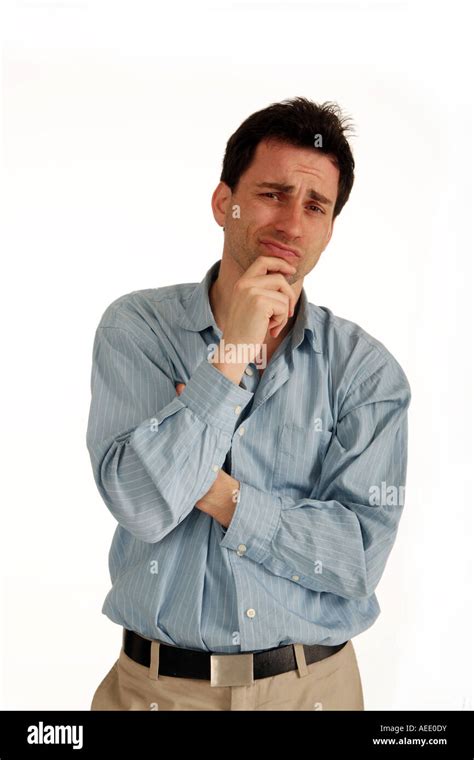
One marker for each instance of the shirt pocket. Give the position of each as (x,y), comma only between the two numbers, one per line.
(299,458)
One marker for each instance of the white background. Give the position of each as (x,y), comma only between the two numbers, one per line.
(115,119)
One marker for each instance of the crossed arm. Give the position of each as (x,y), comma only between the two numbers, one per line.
(221,499)
(334,539)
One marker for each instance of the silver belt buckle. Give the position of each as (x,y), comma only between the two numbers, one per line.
(232,669)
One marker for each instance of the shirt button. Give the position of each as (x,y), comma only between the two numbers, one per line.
(241,549)
(295,577)
(251,613)
(215,467)
(248,371)
(241,431)
(238,409)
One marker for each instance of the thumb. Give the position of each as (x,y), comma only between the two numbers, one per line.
(180,388)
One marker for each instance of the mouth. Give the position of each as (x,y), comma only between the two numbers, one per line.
(275,249)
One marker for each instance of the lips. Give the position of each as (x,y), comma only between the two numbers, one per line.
(275,249)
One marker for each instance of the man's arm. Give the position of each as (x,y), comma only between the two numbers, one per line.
(219,502)
(154,455)
(338,540)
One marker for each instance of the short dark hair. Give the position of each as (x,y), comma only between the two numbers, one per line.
(296,121)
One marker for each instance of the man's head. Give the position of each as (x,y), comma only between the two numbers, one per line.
(287,172)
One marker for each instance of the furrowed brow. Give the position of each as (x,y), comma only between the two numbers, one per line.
(313,194)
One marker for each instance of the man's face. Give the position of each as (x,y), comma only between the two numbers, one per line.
(275,201)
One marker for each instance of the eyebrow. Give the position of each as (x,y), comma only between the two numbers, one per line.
(315,196)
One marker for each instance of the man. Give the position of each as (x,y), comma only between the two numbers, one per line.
(252,447)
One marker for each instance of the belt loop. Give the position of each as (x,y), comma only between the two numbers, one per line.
(300,660)
(154,660)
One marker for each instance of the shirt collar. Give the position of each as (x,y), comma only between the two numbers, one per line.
(197,314)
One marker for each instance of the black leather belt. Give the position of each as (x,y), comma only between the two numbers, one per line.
(192,663)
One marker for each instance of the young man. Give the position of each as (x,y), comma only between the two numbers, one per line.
(252,447)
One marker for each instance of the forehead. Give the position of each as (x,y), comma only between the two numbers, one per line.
(283,162)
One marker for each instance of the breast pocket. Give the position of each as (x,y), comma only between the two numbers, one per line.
(299,458)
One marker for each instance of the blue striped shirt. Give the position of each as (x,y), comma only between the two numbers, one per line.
(318,443)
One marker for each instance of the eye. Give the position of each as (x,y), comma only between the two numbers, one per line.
(270,195)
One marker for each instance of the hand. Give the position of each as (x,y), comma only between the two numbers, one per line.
(221,499)
(260,302)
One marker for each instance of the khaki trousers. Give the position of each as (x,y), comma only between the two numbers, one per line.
(330,684)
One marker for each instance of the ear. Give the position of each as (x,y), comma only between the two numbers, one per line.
(220,201)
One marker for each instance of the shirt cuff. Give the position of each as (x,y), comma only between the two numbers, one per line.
(214,398)
(254,523)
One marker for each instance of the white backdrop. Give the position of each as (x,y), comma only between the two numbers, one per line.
(115,119)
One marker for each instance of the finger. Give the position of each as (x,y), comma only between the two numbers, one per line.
(275,299)
(276,325)
(180,388)
(277,303)
(276,330)
(264,264)
(276,282)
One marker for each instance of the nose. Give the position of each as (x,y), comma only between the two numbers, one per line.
(290,220)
